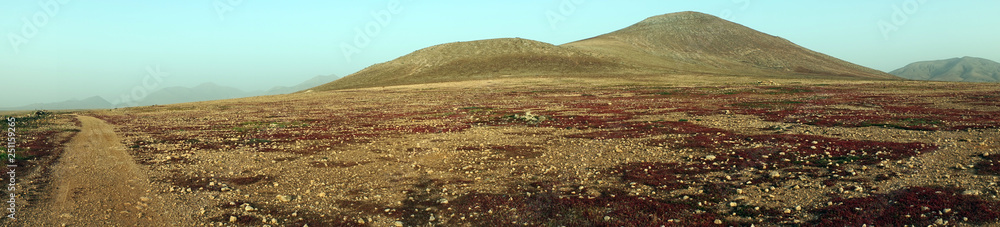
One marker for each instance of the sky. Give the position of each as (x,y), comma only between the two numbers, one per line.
(57,50)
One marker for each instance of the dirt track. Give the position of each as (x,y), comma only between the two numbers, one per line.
(97,183)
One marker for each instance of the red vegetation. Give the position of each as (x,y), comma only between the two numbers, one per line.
(887,111)
(39,143)
(921,206)
(645,129)
(553,209)
(989,166)
(784,150)
(664,176)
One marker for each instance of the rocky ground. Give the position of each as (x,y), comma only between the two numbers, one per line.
(678,151)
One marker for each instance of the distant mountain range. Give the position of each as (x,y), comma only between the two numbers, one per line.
(685,42)
(95,102)
(965,69)
(171,95)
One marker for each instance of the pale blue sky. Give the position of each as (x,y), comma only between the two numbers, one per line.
(88,48)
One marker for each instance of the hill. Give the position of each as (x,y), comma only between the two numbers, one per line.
(472,60)
(698,42)
(685,42)
(965,69)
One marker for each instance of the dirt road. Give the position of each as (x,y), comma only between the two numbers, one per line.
(97,183)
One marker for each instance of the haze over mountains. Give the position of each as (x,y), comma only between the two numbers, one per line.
(685,42)
(965,69)
(171,95)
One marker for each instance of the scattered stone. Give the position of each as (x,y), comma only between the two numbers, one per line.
(972,192)
(284,198)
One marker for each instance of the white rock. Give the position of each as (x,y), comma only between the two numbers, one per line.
(971,192)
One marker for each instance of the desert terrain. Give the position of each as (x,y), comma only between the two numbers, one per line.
(682,119)
(678,150)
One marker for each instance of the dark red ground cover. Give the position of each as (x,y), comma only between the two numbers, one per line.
(784,150)
(920,206)
(555,209)
(989,166)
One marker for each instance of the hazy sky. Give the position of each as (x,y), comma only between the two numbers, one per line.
(58,50)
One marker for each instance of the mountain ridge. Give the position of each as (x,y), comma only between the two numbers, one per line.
(964,69)
(176,94)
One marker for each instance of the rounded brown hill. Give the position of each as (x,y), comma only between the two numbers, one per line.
(685,42)
(482,59)
(698,42)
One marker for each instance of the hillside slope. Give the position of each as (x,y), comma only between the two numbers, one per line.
(966,69)
(480,59)
(698,42)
